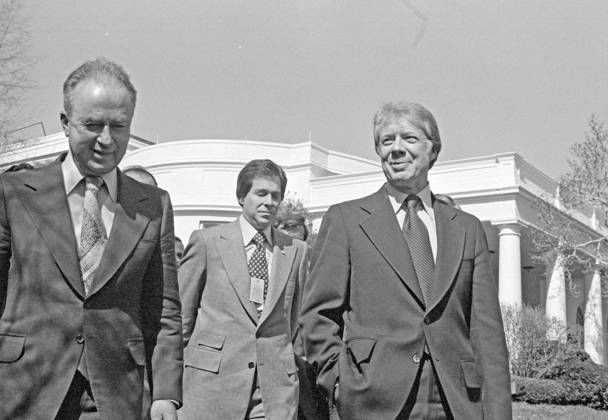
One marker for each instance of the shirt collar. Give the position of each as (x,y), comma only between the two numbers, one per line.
(72,176)
(249,231)
(396,198)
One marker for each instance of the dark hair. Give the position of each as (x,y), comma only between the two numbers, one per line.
(137,169)
(291,221)
(414,113)
(20,167)
(100,69)
(259,168)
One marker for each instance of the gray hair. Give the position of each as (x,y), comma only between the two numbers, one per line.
(141,174)
(415,114)
(98,69)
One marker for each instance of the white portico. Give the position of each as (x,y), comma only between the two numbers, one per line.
(500,190)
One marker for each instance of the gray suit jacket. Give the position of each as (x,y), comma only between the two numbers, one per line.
(365,324)
(130,318)
(225,343)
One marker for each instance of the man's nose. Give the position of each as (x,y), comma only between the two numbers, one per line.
(269,201)
(105,137)
(398,146)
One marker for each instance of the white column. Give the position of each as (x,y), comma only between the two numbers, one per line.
(594,340)
(556,301)
(509,265)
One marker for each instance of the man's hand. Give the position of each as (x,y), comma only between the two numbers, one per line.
(163,410)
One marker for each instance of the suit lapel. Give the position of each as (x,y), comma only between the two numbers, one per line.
(283,256)
(44,198)
(450,248)
(383,231)
(127,228)
(229,244)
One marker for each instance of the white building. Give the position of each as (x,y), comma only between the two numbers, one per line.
(500,189)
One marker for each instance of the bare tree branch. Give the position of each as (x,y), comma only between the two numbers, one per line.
(15,64)
(582,189)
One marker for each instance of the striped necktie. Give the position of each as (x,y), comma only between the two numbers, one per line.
(93,235)
(417,238)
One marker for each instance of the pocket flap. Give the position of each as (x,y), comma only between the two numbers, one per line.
(138,350)
(361,348)
(212,340)
(469,371)
(289,361)
(203,359)
(11,347)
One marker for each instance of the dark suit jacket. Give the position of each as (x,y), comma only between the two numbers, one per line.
(365,324)
(226,343)
(131,316)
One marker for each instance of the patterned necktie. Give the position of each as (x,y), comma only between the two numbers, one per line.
(93,235)
(257,265)
(417,238)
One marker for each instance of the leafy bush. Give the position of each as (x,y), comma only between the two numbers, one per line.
(526,332)
(540,391)
(549,371)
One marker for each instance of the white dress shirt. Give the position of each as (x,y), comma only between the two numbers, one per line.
(426,214)
(74,184)
(249,232)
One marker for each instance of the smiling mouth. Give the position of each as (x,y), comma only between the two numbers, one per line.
(102,153)
(399,165)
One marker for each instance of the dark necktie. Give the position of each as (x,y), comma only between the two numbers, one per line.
(93,235)
(257,265)
(417,238)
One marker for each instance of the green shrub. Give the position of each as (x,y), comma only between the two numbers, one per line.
(551,372)
(540,391)
(526,332)
(555,391)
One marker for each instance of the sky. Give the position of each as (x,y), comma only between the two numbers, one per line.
(500,76)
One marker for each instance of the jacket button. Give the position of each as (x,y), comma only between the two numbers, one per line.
(251,365)
(80,339)
(427,320)
(416,358)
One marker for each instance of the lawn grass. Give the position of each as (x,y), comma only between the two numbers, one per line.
(525,411)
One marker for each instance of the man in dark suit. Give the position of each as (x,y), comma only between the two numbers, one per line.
(313,404)
(240,285)
(400,313)
(88,284)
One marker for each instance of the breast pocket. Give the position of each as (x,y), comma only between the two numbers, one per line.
(11,347)
(467,264)
(205,353)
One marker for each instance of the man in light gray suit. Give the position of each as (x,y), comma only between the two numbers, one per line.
(240,285)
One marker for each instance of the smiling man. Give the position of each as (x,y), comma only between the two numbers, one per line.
(400,314)
(240,285)
(88,282)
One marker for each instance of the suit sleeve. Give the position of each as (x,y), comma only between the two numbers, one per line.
(192,278)
(5,248)
(296,334)
(488,336)
(326,299)
(162,310)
